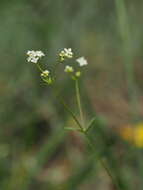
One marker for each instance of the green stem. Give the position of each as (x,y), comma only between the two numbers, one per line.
(126,37)
(102,162)
(79,101)
(39,67)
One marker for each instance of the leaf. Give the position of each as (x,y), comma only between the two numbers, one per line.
(71,128)
(90,123)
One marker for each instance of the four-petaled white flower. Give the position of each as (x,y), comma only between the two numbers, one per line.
(66,53)
(45,73)
(34,56)
(68,69)
(40,54)
(82,61)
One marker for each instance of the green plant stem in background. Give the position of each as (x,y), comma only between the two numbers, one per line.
(79,102)
(127,51)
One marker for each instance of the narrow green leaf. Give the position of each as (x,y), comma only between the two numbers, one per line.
(90,123)
(71,128)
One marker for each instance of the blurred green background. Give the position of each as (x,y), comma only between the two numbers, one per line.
(35,150)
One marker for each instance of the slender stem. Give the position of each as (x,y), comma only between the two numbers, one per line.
(39,67)
(102,162)
(79,101)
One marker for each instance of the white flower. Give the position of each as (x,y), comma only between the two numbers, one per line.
(82,61)
(34,56)
(68,69)
(66,53)
(40,54)
(32,59)
(31,53)
(45,73)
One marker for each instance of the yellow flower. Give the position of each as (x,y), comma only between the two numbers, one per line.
(138,135)
(133,134)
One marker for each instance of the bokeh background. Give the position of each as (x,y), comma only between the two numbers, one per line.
(35,150)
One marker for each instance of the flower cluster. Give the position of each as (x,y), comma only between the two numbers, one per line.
(66,53)
(34,56)
(73,69)
(45,73)
(69,69)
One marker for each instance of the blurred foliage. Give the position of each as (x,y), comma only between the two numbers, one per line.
(35,151)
